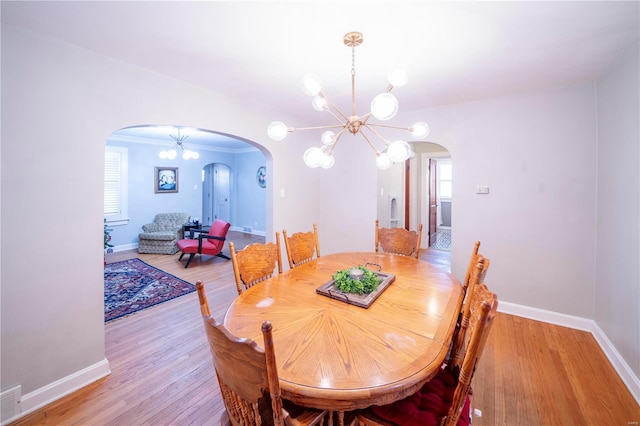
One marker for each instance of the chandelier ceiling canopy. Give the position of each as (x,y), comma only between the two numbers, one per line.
(383,107)
(173,152)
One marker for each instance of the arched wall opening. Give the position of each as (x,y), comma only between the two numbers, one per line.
(246,199)
(403,192)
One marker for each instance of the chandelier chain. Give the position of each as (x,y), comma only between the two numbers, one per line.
(353,81)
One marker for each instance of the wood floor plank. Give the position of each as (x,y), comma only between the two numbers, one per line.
(531,373)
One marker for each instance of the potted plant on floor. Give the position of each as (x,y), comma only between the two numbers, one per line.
(107,239)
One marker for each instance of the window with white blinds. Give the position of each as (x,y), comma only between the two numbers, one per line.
(115,183)
(445,179)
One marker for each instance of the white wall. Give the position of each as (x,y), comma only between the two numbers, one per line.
(536,152)
(617,291)
(391,185)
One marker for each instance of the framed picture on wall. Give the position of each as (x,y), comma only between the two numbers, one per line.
(261,176)
(166,179)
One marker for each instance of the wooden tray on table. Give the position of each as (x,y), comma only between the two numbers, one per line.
(363,300)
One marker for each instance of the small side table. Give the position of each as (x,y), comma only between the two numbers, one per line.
(188,229)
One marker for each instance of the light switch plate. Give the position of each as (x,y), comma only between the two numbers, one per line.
(482,189)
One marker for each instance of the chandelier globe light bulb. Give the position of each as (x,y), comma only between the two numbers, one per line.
(327,161)
(420,130)
(399,151)
(328,137)
(163,155)
(277,130)
(311,84)
(398,77)
(188,154)
(313,157)
(384,106)
(172,154)
(383,161)
(320,103)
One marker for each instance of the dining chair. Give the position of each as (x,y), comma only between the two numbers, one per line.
(398,240)
(255,263)
(301,246)
(459,335)
(444,400)
(472,264)
(248,377)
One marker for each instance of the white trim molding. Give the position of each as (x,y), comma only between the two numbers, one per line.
(53,391)
(619,364)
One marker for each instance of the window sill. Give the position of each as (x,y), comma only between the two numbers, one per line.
(118,222)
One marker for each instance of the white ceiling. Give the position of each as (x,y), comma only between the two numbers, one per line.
(259,50)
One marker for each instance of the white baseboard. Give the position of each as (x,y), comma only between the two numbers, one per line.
(53,391)
(125,247)
(252,232)
(619,364)
(624,371)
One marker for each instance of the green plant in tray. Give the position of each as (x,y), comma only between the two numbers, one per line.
(366,284)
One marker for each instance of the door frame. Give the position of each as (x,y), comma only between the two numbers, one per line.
(420,214)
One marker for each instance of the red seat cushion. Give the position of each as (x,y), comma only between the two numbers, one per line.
(427,406)
(191,246)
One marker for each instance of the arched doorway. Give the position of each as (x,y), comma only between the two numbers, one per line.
(431,201)
(404,193)
(237,158)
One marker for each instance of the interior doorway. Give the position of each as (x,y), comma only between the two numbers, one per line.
(429,200)
(216,193)
(439,176)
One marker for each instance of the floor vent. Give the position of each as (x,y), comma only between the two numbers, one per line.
(10,402)
(246,229)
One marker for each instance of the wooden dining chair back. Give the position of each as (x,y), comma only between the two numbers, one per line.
(444,400)
(460,333)
(472,264)
(398,240)
(248,377)
(484,305)
(255,263)
(301,246)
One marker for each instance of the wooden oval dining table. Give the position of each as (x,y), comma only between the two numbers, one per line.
(337,356)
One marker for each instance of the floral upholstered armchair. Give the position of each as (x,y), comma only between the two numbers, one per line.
(161,236)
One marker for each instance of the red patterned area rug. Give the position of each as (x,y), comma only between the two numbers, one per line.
(133,285)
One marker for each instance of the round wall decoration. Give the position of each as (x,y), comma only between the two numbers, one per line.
(261,176)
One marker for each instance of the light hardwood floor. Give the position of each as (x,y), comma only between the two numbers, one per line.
(531,373)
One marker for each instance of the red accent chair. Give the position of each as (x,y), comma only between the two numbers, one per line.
(210,243)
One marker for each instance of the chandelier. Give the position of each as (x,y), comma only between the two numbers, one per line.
(173,152)
(383,107)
